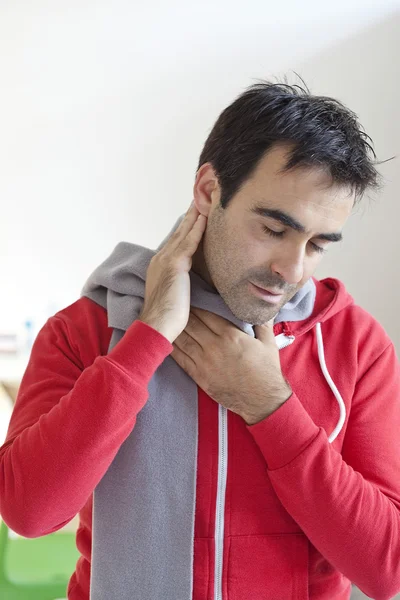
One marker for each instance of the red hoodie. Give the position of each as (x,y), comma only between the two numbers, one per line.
(303,516)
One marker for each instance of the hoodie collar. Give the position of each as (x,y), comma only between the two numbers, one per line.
(331,298)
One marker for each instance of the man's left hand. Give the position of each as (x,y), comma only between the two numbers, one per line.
(236,370)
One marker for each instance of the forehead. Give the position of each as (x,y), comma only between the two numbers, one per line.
(301,192)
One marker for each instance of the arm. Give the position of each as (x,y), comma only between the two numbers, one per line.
(347,504)
(69,422)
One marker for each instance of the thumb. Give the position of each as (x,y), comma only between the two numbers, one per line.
(265,331)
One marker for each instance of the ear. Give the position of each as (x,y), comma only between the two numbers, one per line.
(206,190)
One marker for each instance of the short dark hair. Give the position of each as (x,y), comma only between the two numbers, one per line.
(321,131)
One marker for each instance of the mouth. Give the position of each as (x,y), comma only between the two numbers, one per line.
(270,296)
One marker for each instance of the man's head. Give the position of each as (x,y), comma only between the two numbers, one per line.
(277,179)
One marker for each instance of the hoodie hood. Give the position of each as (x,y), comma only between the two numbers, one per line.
(331,298)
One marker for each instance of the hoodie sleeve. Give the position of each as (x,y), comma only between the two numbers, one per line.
(69,422)
(348,504)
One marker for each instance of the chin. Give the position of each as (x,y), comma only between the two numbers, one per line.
(255,316)
(243,306)
(265,319)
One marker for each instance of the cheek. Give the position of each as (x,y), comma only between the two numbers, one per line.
(310,265)
(257,245)
(253,255)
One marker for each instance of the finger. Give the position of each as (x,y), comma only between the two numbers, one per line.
(199,331)
(186,224)
(215,323)
(184,361)
(192,240)
(188,344)
(191,205)
(264,332)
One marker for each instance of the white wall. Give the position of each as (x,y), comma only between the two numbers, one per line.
(363,72)
(104,107)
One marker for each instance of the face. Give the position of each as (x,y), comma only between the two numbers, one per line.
(248,243)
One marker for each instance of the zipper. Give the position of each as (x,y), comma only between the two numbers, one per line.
(220,506)
(282,341)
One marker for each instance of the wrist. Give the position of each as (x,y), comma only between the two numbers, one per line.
(157,326)
(252,417)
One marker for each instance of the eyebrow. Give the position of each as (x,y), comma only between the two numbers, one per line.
(289,221)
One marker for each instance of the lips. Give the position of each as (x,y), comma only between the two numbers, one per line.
(273,292)
(266,295)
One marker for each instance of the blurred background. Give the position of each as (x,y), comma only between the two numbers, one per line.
(104,108)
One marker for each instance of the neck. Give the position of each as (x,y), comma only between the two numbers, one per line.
(199,265)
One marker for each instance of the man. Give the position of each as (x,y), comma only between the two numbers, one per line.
(225,424)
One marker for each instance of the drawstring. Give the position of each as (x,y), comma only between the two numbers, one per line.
(331,384)
(283,340)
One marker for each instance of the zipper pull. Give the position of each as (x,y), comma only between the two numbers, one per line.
(282,340)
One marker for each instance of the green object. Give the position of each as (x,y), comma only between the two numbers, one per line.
(38,568)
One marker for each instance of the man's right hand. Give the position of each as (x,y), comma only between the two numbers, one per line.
(166,304)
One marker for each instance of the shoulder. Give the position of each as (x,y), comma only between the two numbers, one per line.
(348,324)
(86,328)
(372,338)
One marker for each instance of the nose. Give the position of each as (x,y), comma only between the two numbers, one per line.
(289,264)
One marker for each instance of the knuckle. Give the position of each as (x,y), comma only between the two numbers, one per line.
(209,388)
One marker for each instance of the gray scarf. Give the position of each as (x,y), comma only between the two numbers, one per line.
(143,508)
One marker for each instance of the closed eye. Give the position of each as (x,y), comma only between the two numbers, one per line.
(279,234)
(273,233)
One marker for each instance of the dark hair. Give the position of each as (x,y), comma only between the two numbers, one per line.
(321,131)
